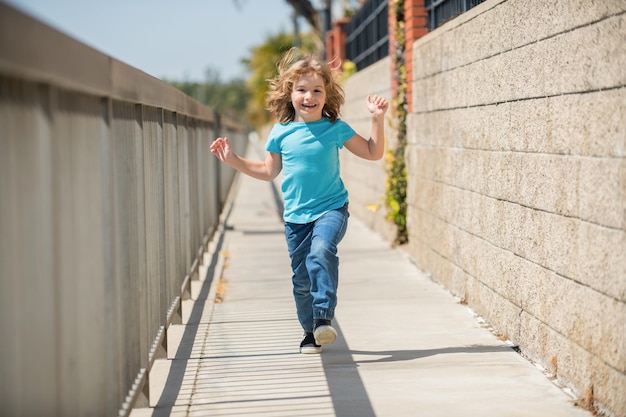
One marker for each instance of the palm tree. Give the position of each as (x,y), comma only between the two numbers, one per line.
(318,25)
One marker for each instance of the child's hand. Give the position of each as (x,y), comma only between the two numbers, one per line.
(377,105)
(221,149)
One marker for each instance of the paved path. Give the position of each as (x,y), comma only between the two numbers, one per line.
(406,347)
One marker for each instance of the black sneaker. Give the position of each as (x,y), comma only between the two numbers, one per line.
(324,333)
(308,344)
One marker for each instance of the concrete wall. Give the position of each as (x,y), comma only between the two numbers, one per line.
(366,180)
(517,179)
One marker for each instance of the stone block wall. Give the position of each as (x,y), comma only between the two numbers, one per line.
(517,179)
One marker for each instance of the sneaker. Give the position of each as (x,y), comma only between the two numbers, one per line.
(324,333)
(308,344)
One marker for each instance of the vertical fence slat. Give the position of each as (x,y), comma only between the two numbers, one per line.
(111,336)
(127,167)
(27,258)
(171,199)
(183,181)
(155,217)
(80,240)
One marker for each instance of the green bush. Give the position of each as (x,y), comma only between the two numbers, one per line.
(395,194)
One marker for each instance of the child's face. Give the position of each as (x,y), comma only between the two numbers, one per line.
(308,98)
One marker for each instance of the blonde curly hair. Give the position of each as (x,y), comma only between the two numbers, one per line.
(290,68)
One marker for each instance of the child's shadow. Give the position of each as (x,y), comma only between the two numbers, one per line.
(407,355)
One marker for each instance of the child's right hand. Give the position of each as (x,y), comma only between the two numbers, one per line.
(377,105)
(221,149)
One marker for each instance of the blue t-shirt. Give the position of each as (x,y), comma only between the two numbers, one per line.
(310,156)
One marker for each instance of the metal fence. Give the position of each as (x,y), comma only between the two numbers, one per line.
(367,34)
(440,11)
(108,198)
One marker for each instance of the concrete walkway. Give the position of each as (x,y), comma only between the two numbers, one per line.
(406,347)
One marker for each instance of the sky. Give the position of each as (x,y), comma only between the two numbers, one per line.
(176,40)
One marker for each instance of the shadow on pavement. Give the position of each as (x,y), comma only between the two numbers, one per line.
(407,355)
(346,388)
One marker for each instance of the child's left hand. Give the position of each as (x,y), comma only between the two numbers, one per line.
(377,105)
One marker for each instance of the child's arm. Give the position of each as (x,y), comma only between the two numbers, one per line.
(373,148)
(263,170)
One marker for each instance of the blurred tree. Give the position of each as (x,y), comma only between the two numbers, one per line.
(305,9)
(245,100)
(229,98)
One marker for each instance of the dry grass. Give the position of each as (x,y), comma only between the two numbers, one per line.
(587,400)
(220,290)
(553,367)
(222,286)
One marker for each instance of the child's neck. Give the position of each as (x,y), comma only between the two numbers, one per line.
(307,119)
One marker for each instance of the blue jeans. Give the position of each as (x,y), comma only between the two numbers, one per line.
(315,265)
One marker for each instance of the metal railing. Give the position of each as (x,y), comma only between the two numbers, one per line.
(440,11)
(367,34)
(109,196)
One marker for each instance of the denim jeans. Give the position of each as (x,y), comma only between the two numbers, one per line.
(315,265)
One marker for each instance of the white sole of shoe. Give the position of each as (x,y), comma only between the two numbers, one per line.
(325,335)
(310,349)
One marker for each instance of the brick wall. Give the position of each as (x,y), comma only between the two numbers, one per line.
(336,40)
(416,26)
(517,179)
